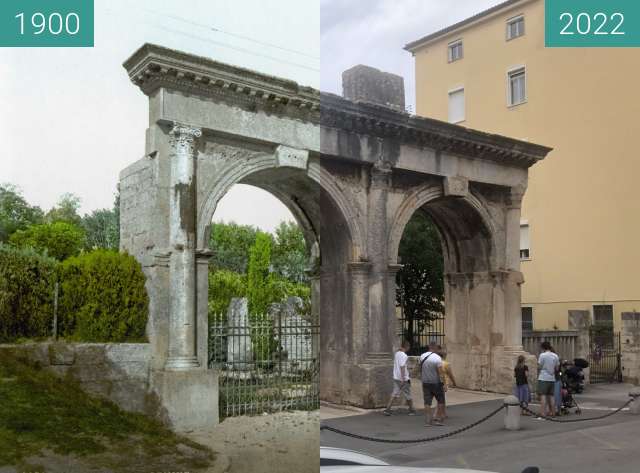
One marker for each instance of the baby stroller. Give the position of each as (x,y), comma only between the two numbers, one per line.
(574,375)
(572,382)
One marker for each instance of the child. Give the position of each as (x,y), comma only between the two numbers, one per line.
(521,373)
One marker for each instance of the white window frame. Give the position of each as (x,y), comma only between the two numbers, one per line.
(513,20)
(511,72)
(450,47)
(464,104)
(524,223)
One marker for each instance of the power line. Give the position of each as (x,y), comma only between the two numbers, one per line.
(242,50)
(235,35)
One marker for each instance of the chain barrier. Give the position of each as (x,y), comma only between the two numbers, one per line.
(581,419)
(420,440)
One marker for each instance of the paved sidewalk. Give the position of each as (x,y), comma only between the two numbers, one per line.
(609,445)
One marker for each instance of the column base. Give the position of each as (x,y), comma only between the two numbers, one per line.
(188,400)
(181,363)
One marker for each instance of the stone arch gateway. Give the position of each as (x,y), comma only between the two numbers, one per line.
(353,173)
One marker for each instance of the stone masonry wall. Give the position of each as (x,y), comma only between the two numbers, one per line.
(630,341)
(116,371)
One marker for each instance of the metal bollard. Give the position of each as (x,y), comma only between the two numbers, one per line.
(635,405)
(511,413)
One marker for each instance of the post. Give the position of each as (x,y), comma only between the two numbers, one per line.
(512,413)
(635,395)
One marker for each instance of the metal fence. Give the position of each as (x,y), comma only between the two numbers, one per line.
(421,332)
(267,363)
(563,342)
(605,364)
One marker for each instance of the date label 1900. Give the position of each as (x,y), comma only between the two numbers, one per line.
(46,23)
(592,23)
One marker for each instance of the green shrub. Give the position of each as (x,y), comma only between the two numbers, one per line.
(60,240)
(223,286)
(27,281)
(103,298)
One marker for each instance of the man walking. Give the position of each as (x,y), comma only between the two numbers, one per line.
(548,363)
(401,381)
(432,386)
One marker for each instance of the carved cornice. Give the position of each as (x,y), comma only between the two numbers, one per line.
(383,122)
(152,67)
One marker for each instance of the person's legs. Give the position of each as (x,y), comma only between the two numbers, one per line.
(407,395)
(428,399)
(394,395)
(440,410)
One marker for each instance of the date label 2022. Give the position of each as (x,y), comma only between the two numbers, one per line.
(46,23)
(592,23)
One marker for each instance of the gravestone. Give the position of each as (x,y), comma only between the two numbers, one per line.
(293,334)
(239,349)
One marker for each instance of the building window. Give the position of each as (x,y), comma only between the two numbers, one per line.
(515,27)
(602,330)
(517,86)
(525,243)
(456,106)
(455,50)
(527,319)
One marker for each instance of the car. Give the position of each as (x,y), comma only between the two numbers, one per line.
(340,460)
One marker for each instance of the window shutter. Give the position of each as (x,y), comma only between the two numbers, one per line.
(456,106)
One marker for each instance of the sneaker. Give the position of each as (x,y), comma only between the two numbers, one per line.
(386,412)
(437,422)
(412,412)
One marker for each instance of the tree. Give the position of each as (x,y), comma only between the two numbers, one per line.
(101,229)
(421,280)
(290,257)
(231,244)
(258,274)
(15,212)
(223,286)
(66,210)
(60,240)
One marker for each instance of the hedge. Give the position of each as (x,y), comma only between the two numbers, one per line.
(103,298)
(27,282)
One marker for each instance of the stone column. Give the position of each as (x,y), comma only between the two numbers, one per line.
(182,241)
(514,278)
(380,335)
(359,272)
(630,347)
(395,329)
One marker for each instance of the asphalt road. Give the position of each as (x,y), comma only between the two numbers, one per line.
(610,445)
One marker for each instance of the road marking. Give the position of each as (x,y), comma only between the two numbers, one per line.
(461,461)
(609,445)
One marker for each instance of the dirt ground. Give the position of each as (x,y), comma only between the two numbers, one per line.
(275,443)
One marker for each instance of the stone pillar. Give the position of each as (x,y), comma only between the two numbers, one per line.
(580,320)
(359,272)
(392,273)
(630,348)
(182,241)
(202,305)
(381,336)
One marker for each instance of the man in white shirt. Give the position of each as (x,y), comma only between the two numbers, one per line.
(401,381)
(432,385)
(548,363)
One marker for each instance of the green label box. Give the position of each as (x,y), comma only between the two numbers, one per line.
(592,23)
(46,23)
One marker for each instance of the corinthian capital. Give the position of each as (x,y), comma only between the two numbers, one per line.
(183,138)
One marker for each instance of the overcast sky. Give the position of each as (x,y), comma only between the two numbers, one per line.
(71,120)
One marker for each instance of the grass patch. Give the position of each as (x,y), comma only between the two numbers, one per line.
(40,412)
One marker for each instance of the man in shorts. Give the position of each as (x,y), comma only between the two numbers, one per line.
(548,363)
(401,381)
(432,385)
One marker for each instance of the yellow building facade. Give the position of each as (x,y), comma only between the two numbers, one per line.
(580,224)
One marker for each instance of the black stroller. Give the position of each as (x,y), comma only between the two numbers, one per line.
(572,383)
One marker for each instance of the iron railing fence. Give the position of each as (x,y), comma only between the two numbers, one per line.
(266,363)
(421,332)
(605,359)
